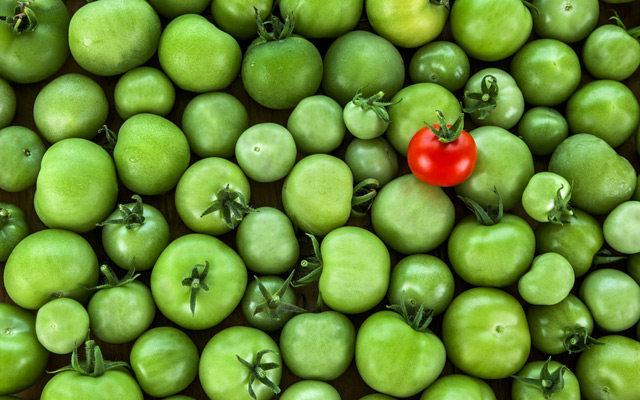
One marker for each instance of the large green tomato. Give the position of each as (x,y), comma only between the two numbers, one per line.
(610,52)
(504,162)
(361,60)
(318,345)
(595,190)
(211,65)
(485,333)
(620,228)
(208,182)
(611,370)
(317,194)
(21,151)
(322,19)
(187,295)
(224,377)
(407,23)
(398,216)
(151,154)
(458,386)
(355,270)
(49,264)
(568,21)
(113,36)
(266,152)
(310,390)
(394,358)
(34,55)
(20,349)
(7,103)
(77,185)
(490,30)
(414,105)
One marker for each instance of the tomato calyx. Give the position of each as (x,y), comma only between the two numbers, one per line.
(444,3)
(111,137)
(258,370)
(418,320)
(279,30)
(23,19)
(562,211)
(485,101)
(633,32)
(196,281)
(363,195)
(604,257)
(549,383)
(491,216)
(232,204)
(447,133)
(530,6)
(374,104)
(5,216)
(112,280)
(130,217)
(94,364)
(577,340)
(273,304)
(311,267)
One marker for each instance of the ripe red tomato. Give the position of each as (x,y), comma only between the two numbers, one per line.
(442,156)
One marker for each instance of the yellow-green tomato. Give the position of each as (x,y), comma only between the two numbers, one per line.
(238,17)
(549,280)
(310,390)
(143,90)
(62,325)
(316,124)
(458,386)
(322,19)
(266,152)
(621,228)
(355,270)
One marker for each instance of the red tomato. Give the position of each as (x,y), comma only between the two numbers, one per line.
(442,157)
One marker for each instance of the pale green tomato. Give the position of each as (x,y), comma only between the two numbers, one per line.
(549,280)
(62,325)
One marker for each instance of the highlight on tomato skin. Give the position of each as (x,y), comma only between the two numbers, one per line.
(442,155)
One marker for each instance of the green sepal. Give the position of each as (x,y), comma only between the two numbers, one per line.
(604,257)
(130,217)
(363,195)
(112,280)
(94,363)
(111,137)
(311,267)
(486,100)
(491,216)
(273,304)
(196,281)
(373,103)
(419,321)
(23,18)
(530,6)
(634,32)
(577,340)
(444,3)
(549,383)
(258,370)
(562,211)
(5,216)
(447,134)
(232,204)
(279,30)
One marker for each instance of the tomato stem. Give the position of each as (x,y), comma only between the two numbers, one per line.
(485,101)
(363,195)
(196,281)
(94,364)
(491,216)
(577,340)
(257,370)
(279,30)
(130,216)
(447,133)
(373,103)
(232,204)
(112,279)
(312,264)
(273,304)
(24,19)
(548,383)
(419,321)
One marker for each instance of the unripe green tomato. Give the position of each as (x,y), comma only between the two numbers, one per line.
(549,280)
(621,228)
(441,62)
(21,151)
(543,129)
(317,125)
(144,90)
(62,325)
(266,152)
(372,158)
(310,390)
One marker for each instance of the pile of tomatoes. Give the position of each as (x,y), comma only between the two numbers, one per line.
(346,199)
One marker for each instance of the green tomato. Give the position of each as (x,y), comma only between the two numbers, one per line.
(595,190)
(34,55)
(215,295)
(371,158)
(620,228)
(441,62)
(7,103)
(238,17)
(547,71)
(610,52)
(508,99)
(504,162)
(568,21)
(567,385)
(364,117)
(604,108)
(613,298)
(266,152)
(224,377)
(120,314)
(355,270)
(612,370)
(70,106)
(213,122)
(210,181)
(76,187)
(172,9)
(164,360)
(394,358)
(549,280)
(543,129)
(20,349)
(458,386)
(267,242)
(318,345)
(317,193)
(133,29)
(62,325)
(143,90)
(485,333)
(151,154)
(274,316)
(310,390)
(21,151)
(560,327)
(327,19)
(546,198)
(414,105)
(13,228)
(490,30)
(48,264)
(412,230)
(421,280)
(361,60)
(316,124)
(210,66)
